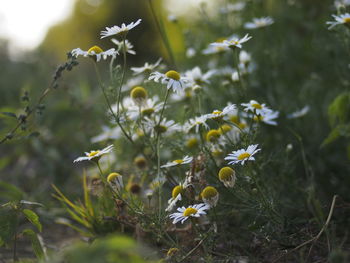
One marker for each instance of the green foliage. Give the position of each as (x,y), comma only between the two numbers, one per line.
(36,245)
(8,225)
(33,218)
(10,192)
(112,249)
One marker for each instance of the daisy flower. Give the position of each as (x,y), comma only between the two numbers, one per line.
(196,123)
(339,20)
(232,7)
(210,196)
(187,159)
(236,42)
(175,197)
(149,107)
(259,22)
(267,117)
(227,176)
(256,107)
(116,30)
(147,68)
(94,155)
(242,155)
(95,52)
(116,181)
(172,78)
(217,114)
(163,127)
(196,76)
(192,211)
(128,46)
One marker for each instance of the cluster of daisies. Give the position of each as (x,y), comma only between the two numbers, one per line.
(143,116)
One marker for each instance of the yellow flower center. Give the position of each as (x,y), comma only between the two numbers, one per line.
(226,173)
(176,190)
(209,192)
(234,119)
(243,156)
(190,211)
(217,152)
(172,74)
(140,162)
(242,125)
(346,20)
(213,135)
(112,177)
(217,112)
(258,118)
(225,128)
(138,93)
(93,153)
(95,50)
(147,112)
(160,128)
(179,161)
(191,143)
(257,106)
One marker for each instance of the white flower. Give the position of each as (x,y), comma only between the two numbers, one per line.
(116,30)
(94,155)
(242,155)
(176,196)
(232,7)
(95,51)
(187,159)
(299,113)
(256,107)
(116,181)
(190,52)
(147,68)
(196,123)
(339,20)
(236,42)
(107,134)
(244,57)
(217,114)
(172,78)
(192,211)
(267,117)
(128,46)
(172,202)
(151,106)
(153,126)
(259,22)
(196,76)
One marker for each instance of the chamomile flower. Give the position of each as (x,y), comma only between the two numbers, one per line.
(149,107)
(116,181)
(164,127)
(196,76)
(243,155)
(94,155)
(195,123)
(95,52)
(234,43)
(229,8)
(116,30)
(259,22)
(343,19)
(256,107)
(227,176)
(175,197)
(128,46)
(218,115)
(147,68)
(187,159)
(172,78)
(267,117)
(210,196)
(184,213)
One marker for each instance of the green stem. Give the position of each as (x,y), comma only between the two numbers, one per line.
(236,58)
(161,29)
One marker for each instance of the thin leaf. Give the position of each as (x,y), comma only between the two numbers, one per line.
(36,245)
(9,114)
(33,218)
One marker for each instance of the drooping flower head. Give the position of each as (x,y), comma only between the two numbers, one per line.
(210,196)
(234,43)
(259,23)
(227,176)
(172,78)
